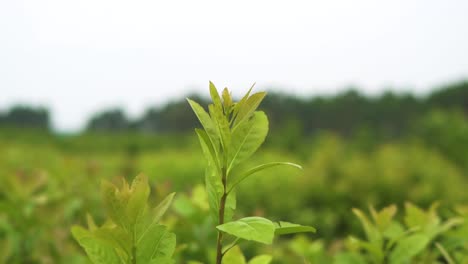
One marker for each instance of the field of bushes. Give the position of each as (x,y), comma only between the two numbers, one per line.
(372,199)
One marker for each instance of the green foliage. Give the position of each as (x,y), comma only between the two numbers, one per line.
(133,233)
(232,133)
(389,241)
(48,183)
(250,228)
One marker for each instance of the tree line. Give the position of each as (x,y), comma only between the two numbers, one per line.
(388,115)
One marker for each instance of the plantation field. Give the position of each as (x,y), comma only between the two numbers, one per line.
(49,183)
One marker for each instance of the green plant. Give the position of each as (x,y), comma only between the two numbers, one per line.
(231,134)
(133,234)
(389,241)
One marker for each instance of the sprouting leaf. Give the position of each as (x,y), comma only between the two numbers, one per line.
(371,231)
(207,124)
(248,108)
(238,178)
(234,256)
(222,125)
(215,97)
(409,247)
(384,217)
(138,196)
(241,103)
(250,228)
(261,259)
(284,228)
(208,151)
(247,138)
(227,99)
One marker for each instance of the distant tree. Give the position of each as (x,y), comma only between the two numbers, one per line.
(176,116)
(113,120)
(26,117)
(454,96)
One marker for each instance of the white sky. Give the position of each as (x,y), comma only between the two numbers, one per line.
(78,57)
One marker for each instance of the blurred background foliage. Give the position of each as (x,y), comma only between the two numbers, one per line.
(356,151)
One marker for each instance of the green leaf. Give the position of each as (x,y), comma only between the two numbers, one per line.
(137,198)
(162,207)
(154,217)
(444,253)
(207,124)
(261,259)
(213,183)
(207,148)
(241,103)
(384,217)
(99,251)
(222,124)
(214,190)
(230,207)
(234,256)
(115,205)
(284,228)
(215,97)
(132,234)
(156,246)
(248,108)
(250,228)
(371,231)
(408,247)
(227,99)
(247,138)
(240,177)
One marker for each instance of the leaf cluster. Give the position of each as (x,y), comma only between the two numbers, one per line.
(389,241)
(232,132)
(133,233)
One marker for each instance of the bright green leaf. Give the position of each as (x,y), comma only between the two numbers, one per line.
(234,256)
(284,228)
(250,228)
(227,99)
(215,97)
(408,247)
(248,108)
(207,124)
(222,125)
(247,138)
(261,259)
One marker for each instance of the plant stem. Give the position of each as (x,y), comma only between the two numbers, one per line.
(222,205)
(134,260)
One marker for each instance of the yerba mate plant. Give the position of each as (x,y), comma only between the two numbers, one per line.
(232,133)
(133,234)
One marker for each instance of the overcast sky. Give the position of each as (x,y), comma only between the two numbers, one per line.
(78,57)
